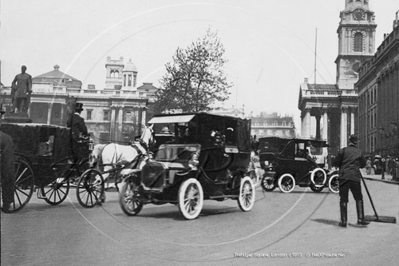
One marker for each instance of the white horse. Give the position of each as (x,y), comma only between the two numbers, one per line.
(111,155)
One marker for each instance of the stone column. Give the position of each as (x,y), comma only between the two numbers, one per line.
(143,116)
(50,109)
(62,114)
(344,127)
(119,135)
(112,127)
(307,123)
(318,126)
(302,123)
(352,129)
(325,124)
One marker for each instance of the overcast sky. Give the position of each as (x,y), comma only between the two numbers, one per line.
(269,43)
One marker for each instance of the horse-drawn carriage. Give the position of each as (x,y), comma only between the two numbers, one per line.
(207,159)
(45,161)
(290,162)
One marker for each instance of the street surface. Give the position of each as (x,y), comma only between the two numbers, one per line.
(299,228)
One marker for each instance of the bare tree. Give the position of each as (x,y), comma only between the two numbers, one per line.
(195,79)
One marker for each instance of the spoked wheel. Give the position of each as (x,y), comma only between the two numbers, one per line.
(90,188)
(24,185)
(246,199)
(129,204)
(333,183)
(56,192)
(268,183)
(318,178)
(191,198)
(286,183)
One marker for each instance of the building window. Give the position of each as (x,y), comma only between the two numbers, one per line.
(88,114)
(128,116)
(124,80)
(129,81)
(358,42)
(106,115)
(134,80)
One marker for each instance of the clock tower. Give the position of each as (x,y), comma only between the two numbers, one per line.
(356,41)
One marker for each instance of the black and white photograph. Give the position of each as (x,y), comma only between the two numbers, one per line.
(212,132)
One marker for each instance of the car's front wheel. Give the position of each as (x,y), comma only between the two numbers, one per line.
(246,198)
(191,198)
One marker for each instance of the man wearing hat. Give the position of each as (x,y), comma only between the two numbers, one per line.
(6,168)
(349,160)
(78,129)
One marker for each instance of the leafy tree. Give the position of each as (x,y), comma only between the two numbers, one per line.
(195,79)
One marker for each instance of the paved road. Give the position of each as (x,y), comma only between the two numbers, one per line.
(299,228)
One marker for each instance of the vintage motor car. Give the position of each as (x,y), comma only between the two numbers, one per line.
(208,158)
(289,162)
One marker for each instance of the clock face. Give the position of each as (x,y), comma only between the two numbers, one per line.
(358,14)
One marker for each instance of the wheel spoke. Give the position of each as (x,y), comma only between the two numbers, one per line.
(21,191)
(18,198)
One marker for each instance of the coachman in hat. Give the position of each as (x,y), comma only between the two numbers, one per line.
(78,129)
(349,160)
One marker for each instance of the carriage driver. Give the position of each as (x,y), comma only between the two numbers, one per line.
(79,130)
(6,168)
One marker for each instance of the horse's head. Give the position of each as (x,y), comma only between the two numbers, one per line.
(95,155)
(147,136)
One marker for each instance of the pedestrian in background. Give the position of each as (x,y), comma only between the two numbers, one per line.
(387,165)
(392,167)
(368,166)
(396,169)
(349,160)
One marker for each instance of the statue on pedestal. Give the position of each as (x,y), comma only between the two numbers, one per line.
(21,89)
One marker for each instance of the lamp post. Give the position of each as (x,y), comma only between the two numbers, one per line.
(381,129)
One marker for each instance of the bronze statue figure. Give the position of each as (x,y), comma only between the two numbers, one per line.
(21,89)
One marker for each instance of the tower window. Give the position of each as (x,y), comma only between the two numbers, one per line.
(129,81)
(358,42)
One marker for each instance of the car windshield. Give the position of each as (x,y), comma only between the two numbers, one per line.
(176,152)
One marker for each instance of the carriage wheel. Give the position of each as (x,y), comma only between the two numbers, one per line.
(191,198)
(333,183)
(268,183)
(129,204)
(246,199)
(56,192)
(286,183)
(90,188)
(24,185)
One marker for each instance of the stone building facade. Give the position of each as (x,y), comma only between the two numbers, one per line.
(334,107)
(378,89)
(115,113)
(269,125)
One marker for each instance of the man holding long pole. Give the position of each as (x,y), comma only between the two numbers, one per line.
(349,160)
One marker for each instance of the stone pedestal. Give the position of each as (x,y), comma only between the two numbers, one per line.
(16,118)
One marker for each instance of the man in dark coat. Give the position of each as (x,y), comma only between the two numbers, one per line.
(78,130)
(7,169)
(21,90)
(349,160)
